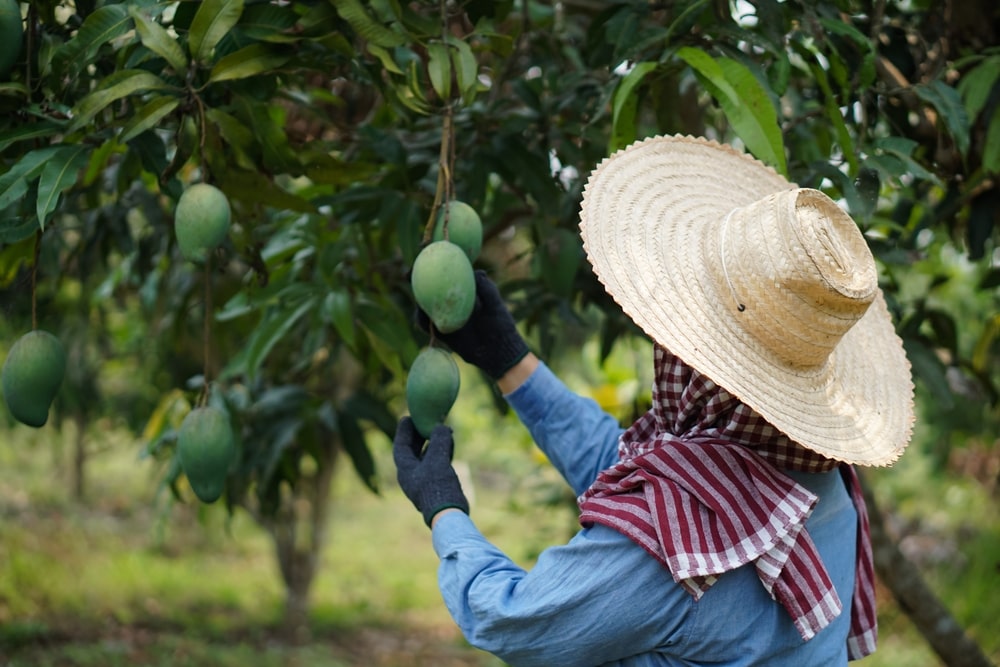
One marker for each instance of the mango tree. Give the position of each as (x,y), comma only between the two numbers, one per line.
(337,130)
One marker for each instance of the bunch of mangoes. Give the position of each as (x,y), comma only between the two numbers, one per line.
(443,281)
(205,441)
(444,287)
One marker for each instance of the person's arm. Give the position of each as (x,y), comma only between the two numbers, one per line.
(573,431)
(596,599)
(578,437)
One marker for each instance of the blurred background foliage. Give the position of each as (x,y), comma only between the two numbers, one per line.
(336,127)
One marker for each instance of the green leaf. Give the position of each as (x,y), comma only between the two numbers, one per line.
(416,98)
(38,130)
(903,148)
(242,143)
(148,117)
(269,130)
(439,69)
(232,130)
(866,70)
(248,61)
(388,331)
(13,230)
(156,38)
(466,69)
(927,366)
(353,440)
(369,407)
(367,27)
(337,309)
(116,86)
(269,333)
(13,89)
(977,84)
(269,22)
(951,111)
(780,72)
(384,57)
(830,103)
(59,173)
(745,102)
(213,20)
(14,182)
(99,28)
(625,104)
(843,184)
(255,187)
(991,147)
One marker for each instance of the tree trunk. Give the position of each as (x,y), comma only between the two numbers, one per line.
(944,634)
(299,533)
(80,457)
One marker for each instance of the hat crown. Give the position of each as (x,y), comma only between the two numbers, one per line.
(800,271)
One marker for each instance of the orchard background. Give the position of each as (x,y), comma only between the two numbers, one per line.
(336,128)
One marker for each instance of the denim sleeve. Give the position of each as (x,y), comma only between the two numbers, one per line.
(577,436)
(595,600)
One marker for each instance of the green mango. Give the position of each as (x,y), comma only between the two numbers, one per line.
(201,220)
(31,376)
(431,388)
(11,35)
(444,285)
(465,229)
(206,447)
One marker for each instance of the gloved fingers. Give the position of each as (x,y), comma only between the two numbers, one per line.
(487,293)
(407,444)
(441,446)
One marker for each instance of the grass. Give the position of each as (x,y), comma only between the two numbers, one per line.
(128,578)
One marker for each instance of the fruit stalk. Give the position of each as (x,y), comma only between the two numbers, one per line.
(206,331)
(34,279)
(446,163)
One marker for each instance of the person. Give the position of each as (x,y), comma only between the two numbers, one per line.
(726,525)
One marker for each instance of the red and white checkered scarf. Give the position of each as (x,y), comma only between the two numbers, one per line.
(699,486)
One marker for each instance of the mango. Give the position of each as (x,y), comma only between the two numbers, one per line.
(11,35)
(444,285)
(201,220)
(206,447)
(464,229)
(31,376)
(431,388)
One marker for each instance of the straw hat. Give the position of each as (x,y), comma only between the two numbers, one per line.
(768,289)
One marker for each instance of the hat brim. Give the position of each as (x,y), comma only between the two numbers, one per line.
(646,222)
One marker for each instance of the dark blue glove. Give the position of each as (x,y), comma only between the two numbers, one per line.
(426,475)
(489,340)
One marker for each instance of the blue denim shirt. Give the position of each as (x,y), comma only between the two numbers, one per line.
(601,599)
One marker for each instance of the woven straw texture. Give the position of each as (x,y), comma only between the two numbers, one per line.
(769,290)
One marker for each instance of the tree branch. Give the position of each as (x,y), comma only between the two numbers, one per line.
(944,634)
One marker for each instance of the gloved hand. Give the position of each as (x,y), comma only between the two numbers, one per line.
(427,477)
(489,340)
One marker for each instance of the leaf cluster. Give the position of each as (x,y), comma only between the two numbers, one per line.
(336,127)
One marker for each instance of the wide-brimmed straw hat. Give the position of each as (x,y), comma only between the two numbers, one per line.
(768,289)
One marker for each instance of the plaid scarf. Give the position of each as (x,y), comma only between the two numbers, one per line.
(699,486)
